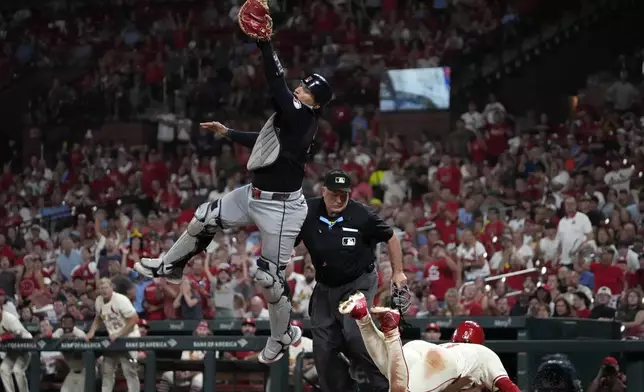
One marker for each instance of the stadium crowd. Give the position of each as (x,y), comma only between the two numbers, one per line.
(560,200)
(501,194)
(191,58)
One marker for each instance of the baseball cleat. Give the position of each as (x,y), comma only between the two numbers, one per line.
(387,318)
(155,268)
(355,306)
(274,350)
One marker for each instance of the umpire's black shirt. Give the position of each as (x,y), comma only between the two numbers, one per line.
(296,125)
(342,249)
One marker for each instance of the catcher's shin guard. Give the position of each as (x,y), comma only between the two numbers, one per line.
(193,241)
(273,286)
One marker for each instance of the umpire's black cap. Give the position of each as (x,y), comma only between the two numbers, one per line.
(338,180)
(319,88)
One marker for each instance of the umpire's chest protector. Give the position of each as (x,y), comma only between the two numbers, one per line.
(340,245)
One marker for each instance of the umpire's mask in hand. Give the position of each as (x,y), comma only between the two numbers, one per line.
(400,298)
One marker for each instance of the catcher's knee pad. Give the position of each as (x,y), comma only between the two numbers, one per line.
(198,235)
(270,278)
(206,220)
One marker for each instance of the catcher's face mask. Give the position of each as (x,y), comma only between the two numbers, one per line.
(400,298)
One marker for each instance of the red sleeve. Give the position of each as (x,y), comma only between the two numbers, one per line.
(504,384)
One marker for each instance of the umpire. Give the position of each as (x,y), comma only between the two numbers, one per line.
(341,236)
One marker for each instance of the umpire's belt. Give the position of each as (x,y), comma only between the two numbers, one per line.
(277,196)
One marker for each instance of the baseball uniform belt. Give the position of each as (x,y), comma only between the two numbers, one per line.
(275,196)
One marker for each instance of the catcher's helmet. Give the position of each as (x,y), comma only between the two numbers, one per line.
(468,332)
(556,374)
(319,88)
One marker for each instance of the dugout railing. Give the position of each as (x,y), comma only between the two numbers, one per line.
(91,350)
(631,354)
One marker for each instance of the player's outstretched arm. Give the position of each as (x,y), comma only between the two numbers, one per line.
(246,139)
(280,92)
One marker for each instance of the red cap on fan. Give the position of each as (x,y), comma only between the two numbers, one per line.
(468,332)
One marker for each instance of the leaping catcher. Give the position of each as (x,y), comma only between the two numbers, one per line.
(273,201)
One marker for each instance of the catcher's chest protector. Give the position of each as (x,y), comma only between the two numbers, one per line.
(267,147)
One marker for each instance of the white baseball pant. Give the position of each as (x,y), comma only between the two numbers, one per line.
(196,383)
(16,365)
(130,372)
(74,382)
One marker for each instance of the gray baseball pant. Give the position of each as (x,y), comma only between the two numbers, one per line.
(335,333)
(279,223)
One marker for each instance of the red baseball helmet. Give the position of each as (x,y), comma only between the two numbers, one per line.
(468,332)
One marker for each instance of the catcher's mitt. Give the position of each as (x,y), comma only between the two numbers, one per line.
(255,20)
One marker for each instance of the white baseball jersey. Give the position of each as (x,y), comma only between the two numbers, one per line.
(74,360)
(305,345)
(434,367)
(478,363)
(11,324)
(115,313)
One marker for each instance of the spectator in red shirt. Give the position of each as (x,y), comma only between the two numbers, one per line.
(607,274)
(198,274)
(494,228)
(155,73)
(449,175)
(445,213)
(581,304)
(474,300)
(326,19)
(478,149)
(153,302)
(442,272)
(497,135)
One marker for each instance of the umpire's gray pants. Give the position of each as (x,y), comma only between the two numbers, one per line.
(335,333)
(279,222)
